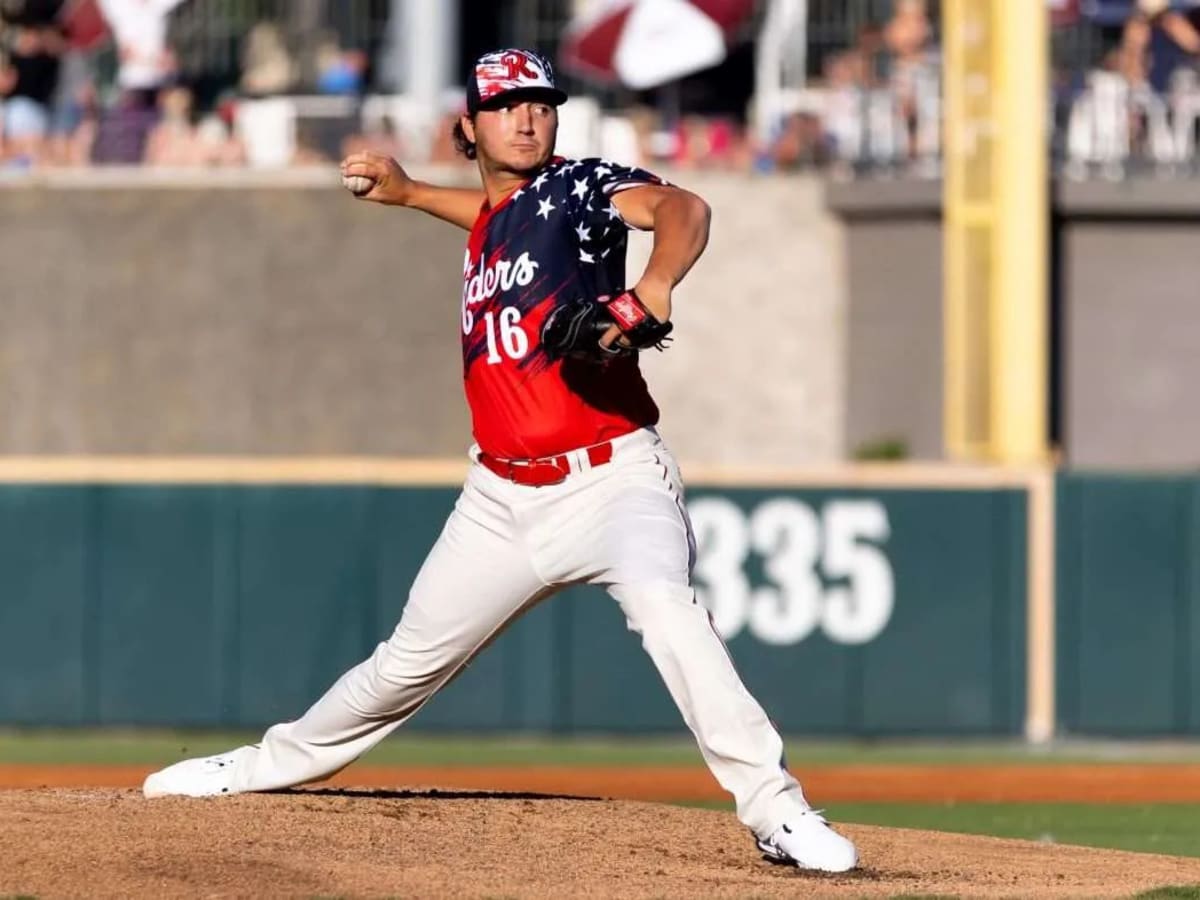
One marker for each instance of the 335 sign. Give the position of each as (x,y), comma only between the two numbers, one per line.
(825,570)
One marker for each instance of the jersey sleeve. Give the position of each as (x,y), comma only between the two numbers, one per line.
(593,183)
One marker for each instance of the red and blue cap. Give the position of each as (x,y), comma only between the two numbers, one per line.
(502,73)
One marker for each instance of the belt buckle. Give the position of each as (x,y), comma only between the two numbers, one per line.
(535,465)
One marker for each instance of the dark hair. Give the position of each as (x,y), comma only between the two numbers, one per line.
(462,143)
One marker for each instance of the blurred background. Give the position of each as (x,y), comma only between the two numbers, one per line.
(934,389)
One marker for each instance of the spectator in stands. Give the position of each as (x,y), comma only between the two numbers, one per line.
(704,142)
(843,127)
(869,56)
(1170,35)
(797,142)
(340,71)
(690,142)
(172,142)
(1131,58)
(28,79)
(907,37)
(179,141)
(267,67)
(73,110)
(139,28)
(218,145)
(146,64)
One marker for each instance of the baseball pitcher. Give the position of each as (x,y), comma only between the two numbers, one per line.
(569,482)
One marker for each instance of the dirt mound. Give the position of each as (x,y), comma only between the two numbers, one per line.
(347,842)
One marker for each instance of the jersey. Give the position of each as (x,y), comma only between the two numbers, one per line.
(557,237)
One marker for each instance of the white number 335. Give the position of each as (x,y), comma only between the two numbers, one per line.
(793,541)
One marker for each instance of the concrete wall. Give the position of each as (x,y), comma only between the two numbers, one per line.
(757,372)
(225,320)
(893,239)
(234,315)
(1131,324)
(1126,280)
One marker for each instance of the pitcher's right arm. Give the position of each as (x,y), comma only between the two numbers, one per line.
(393,187)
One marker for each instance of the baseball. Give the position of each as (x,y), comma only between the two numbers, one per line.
(358,184)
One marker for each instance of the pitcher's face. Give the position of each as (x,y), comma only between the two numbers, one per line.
(516,137)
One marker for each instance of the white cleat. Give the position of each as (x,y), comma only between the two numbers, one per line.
(210,776)
(807,841)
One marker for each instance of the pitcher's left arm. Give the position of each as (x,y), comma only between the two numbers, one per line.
(680,221)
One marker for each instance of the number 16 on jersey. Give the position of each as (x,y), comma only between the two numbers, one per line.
(504,332)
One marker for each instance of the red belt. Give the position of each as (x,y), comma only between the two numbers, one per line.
(547,469)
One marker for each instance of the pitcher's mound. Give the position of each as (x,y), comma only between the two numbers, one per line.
(106,843)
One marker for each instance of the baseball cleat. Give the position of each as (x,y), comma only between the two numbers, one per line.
(209,776)
(808,842)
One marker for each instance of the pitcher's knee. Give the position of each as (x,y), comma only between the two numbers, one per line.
(648,605)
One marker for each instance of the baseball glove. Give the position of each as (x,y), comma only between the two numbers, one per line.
(573,330)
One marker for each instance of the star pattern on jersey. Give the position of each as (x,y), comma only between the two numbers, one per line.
(588,221)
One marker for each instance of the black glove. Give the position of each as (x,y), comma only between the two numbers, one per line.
(574,329)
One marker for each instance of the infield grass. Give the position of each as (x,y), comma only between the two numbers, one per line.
(133,747)
(1170,828)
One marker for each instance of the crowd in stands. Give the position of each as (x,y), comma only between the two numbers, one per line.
(873,103)
(58,111)
(878,100)
(1139,107)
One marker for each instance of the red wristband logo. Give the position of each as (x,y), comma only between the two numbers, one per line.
(627,310)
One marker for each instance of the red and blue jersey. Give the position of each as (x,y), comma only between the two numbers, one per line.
(556,238)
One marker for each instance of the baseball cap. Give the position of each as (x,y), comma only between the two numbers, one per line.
(502,72)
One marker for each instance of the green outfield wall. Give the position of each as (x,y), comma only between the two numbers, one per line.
(1128,604)
(847,610)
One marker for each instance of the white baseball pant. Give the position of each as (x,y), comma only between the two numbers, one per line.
(505,547)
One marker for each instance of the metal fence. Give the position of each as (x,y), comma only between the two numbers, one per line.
(209,36)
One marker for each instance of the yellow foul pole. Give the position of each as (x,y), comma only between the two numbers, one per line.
(1020,301)
(995,229)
